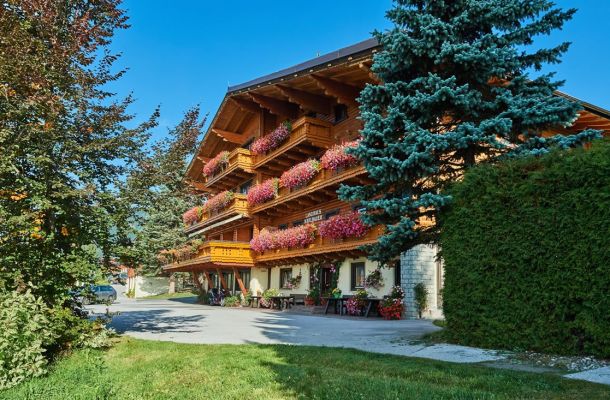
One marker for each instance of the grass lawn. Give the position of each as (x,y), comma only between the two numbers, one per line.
(177,295)
(138,369)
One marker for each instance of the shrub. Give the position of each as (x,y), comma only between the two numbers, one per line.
(265,300)
(216,164)
(526,253)
(24,336)
(232,301)
(420,294)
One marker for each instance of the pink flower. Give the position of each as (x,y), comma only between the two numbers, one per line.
(336,157)
(300,174)
(297,237)
(273,140)
(343,226)
(192,216)
(216,163)
(218,202)
(263,192)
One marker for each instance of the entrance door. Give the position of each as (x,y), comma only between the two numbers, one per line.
(326,281)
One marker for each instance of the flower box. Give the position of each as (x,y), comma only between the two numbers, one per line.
(216,164)
(263,192)
(336,157)
(272,140)
(218,202)
(343,226)
(191,216)
(297,237)
(299,175)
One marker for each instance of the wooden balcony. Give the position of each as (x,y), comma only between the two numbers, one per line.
(321,250)
(239,205)
(238,170)
(216,254)
(321,189)
(308,137)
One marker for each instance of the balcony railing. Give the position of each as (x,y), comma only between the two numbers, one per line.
(236,171)
(217,253)
(321,248)
(239,205)
(324,179)
(305,130)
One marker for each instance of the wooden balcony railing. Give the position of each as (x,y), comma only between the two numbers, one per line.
(323,180)
(307,133)
(236,171)
(239,205)
(320,249)
(217,254)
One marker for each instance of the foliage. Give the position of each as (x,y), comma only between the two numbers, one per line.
(391,308)
(66,142)
(420,294)
(295,282)
(191,216)
(525,246)
(268,372)
(456,90)
(300,174)
(23,337)
(232,301)
(265,300)
(374,279)
(355,305)
(273,140)
(216,164)
(263,192)
(337,158)
(343,226)
(397,292)
(298,236)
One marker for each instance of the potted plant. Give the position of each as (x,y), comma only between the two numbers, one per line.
(313,297)
(337,293)
(393,307)
(374,280)
(355,305)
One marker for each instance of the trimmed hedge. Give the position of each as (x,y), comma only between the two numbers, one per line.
(526,246)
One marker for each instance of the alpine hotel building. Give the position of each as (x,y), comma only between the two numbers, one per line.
(298,119)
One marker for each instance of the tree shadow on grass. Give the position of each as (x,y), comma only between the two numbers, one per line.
(156,321)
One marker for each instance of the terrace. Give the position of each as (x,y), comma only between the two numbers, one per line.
(238,206)
(216,254)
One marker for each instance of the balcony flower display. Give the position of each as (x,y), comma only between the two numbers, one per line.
(272,140)
(263,192)
(300,174)
(297,237)
(343,226)
(218,202)
(216,164)
(336,157)
(192,216)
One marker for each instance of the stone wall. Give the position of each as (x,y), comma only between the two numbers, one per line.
(420,265)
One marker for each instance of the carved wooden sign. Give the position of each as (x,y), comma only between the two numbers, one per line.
(312,216)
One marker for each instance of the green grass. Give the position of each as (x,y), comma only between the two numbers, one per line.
(138,369)
(177,295)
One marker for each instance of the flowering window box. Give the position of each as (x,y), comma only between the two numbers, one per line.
(343,226)
(216,164)
(192,216)
(297,237)
(272,140)
(263,192)
(337,159)
(299,175)
(218,202)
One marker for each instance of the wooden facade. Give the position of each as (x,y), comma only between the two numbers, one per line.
(319,98)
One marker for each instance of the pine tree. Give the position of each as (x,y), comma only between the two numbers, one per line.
(456,91)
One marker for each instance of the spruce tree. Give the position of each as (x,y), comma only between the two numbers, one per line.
(456,90)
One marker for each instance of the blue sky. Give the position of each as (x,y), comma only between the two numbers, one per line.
(186,52)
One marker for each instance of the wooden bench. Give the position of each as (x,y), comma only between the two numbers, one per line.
(298,299)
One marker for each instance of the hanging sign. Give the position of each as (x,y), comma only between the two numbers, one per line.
(313,216)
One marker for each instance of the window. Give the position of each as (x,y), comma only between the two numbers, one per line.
(397,273)
(340,112)
(282,226)
(285,277)
(297,223)
(331,214)
(244,187)
(358,276)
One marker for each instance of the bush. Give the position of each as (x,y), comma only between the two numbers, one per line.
(23,337)
(420,293)
(527,254)
(232,301)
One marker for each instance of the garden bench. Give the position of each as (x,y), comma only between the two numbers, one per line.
(298,299)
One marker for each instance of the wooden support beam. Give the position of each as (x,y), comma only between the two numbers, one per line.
(366,68)
(307,101)
(222,279)
(240,282)
(197,185)
(276,106)
(208,279)
(196,280)
(232,137)
(203,159)
(345,94)
(246,105)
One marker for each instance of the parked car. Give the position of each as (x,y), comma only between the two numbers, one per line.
(98,294)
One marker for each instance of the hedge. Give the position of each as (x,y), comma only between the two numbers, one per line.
(526,246)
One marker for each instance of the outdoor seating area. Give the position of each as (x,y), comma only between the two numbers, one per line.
(339,305)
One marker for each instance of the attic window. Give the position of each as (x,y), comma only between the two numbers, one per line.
(340,113)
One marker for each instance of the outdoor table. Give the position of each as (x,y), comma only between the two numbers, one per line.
(252,299)
(370,302)
(337,302)
(282,302)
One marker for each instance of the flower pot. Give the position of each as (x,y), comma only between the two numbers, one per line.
(337,295)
